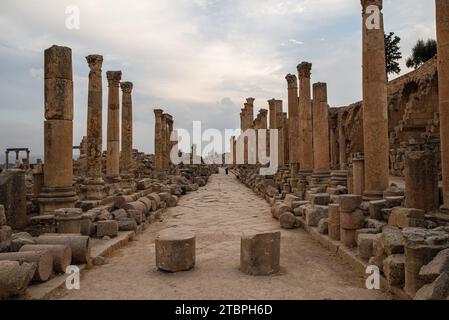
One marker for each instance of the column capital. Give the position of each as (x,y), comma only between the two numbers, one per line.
(320,85)
(95,62)
(250,101)
(366,3)
(263,112)
(114,77)
(158,112)
(127,87)
(304,70)
(292,81)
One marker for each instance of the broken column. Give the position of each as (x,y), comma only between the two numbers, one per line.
(375,111)
(126,159)
(158,140)
(321,156)
(358,174)
(421,181)
(293,127)
(421,246)
(351,218)
(305,122)
(113,136)
(175,251)
(94,184)
(168,143)
(260,254)
(58,191)
(13,198)
(442,22)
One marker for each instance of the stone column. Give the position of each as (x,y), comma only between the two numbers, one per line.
(421,181)
(286,137)
(168,141)
(126,160)
(358,175)
(17,163)
(158,147)
(6,160)
(113,142)
(342,144)
(58,191)
(375,111)
(321,129)
(293,127)
(305,119)
(442,21)
(164,140)
(27,166)
(94,188)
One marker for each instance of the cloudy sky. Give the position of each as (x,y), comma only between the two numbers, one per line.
(196,59)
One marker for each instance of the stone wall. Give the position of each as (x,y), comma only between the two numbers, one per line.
(412,113)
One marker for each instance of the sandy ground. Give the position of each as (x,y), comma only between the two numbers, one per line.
(219,213)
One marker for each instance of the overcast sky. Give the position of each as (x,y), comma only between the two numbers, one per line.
(196,59)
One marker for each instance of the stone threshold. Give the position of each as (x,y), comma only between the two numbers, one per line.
(42,291)
(349,255)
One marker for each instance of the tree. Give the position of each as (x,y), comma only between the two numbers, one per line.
(392,53)
(422,52)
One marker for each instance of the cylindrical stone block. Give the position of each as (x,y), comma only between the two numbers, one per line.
(68,221)
(62,255)
(358,176)
(260,254)
(321,156)
(80,245)
(175,250)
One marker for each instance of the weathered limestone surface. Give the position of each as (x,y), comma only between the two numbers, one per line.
(113,134)
(62,255)
(127,128)
(442,23)
(375,111)
(158,140)
(260,254)
(58,189)
(80,245)
(175,251)
(293,124)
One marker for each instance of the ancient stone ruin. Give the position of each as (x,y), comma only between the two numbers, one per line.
(369,182)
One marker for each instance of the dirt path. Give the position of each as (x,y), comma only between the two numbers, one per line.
(219,213)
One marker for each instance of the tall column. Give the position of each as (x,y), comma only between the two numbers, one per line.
(249,112)
(6,160)
(164,141)
(58,191)
(168,142)
(293,126)
(113,143)
(442,21)
(126,160)
(342,143)
(305,119)
(375,111)
(158,142)
(273,113)
(321,129)
(94,121)
(286,137)
(27,167)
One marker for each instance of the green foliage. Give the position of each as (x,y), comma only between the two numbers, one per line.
(392,53)
(422,52)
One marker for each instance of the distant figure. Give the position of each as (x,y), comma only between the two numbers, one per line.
(227,171)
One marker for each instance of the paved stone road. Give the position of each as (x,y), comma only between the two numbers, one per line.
(219,213)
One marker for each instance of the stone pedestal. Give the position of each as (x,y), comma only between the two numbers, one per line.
(421,181)
(113,136)
(175,251)
(442,23)
(58,191)
(260,254)
(375,111)
(68,221)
